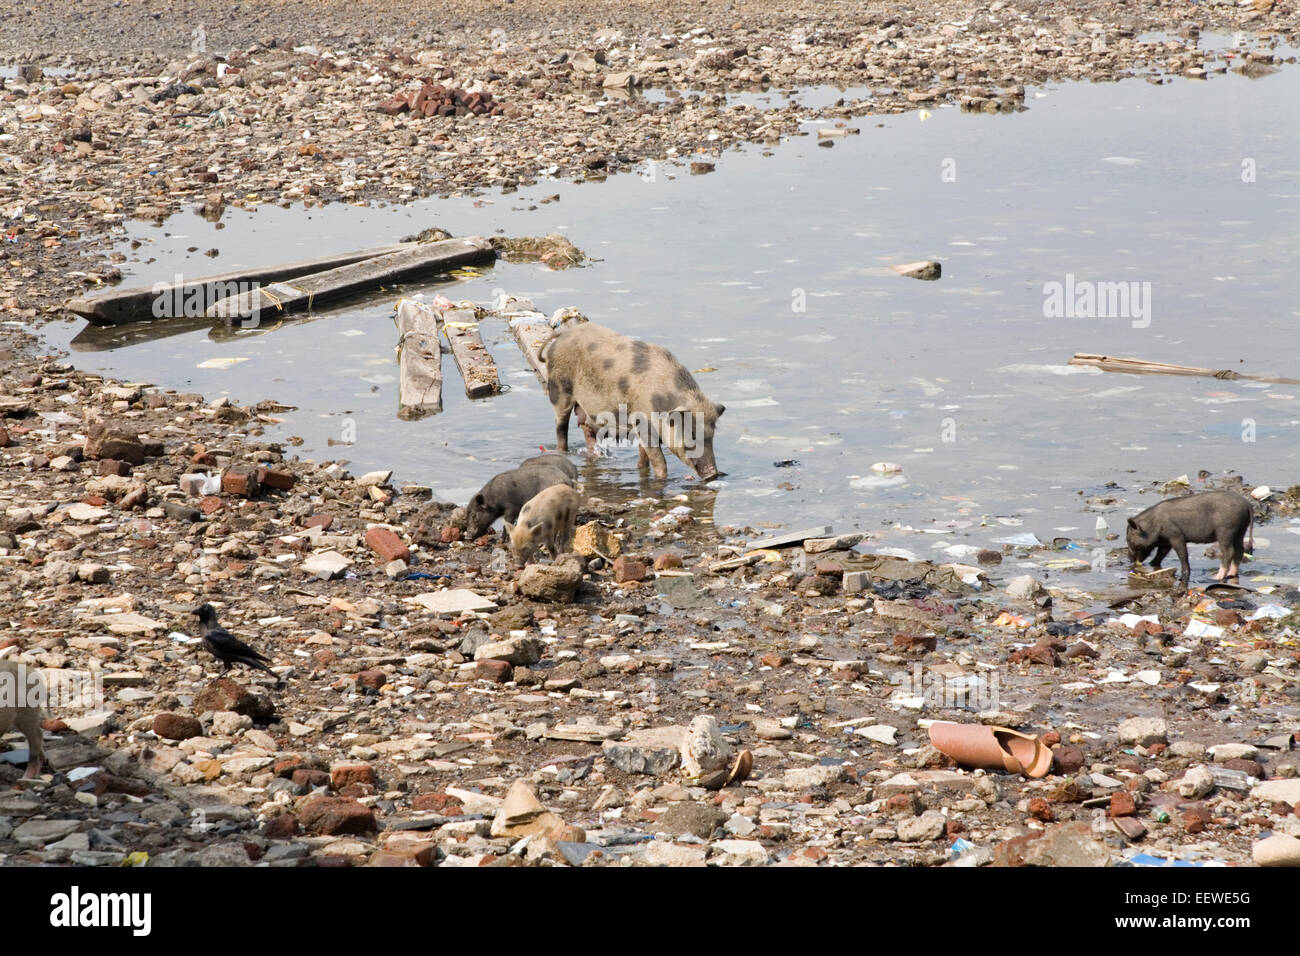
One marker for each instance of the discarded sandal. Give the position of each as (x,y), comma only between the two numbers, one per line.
(992,748)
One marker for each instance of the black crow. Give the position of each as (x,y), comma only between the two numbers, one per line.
(223,645)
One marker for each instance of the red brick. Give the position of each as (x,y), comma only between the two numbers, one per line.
(330,816)
(319,521)
(387,545)
(492,670)
(241,482)
(324,656)
(918,642)
(449,534)
(287,765)
(404,857)
(282,826)
(774,660)
(113,466)
(177,727)
(275,478)
(356,791)
(628,569)
(442,803)
(1040,809)
(103,441)
(346,774)
(4,437)
(1066,759)
(1122,804)
(372,678)
(307,777)
(667,560)
(211,504)
(1195,817)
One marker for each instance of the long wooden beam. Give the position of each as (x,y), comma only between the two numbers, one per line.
(176,299)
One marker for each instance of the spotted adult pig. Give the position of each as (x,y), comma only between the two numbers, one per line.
(506,493)
(623,387)
(21,698)
(1220,516)
(546,519)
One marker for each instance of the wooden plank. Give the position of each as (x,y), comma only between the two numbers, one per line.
(531,330)
(1134,366)
(793,537)
(419,358)
(472,357)
(136,304)
(306,291)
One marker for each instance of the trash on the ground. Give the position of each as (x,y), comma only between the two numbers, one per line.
(1134,366)
(927,269)
(992,748)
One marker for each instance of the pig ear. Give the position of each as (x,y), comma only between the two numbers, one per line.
(510,529)
(1132,523)
(479,500)
(719,408)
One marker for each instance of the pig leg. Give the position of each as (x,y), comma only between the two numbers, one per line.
(651,453)
(562,413)
(28,720)
(1162,550)
(1184,566)
(588,431)
(1232,558)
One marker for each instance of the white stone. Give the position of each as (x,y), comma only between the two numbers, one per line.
(704,749)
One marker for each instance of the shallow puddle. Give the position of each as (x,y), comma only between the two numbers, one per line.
(771,277)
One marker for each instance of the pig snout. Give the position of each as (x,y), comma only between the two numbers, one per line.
(707,471)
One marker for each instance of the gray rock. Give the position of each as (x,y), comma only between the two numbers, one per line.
(516,650)
(325,564)
(1024,589)
(575,854)
(704,749)
(41,832)
(1222,753)
(1196,783)
(1143,731)
(664,853)
(699,819)
(1277,850)
(654,751)
(1278,791)
(738,853)
(552,583)
(810,778)
(930,825)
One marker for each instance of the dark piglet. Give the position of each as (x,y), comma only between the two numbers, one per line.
(509,491)
(1218,516)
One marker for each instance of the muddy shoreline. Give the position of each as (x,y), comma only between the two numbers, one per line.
(393,739)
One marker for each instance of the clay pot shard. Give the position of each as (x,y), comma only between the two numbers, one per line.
(992,748)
